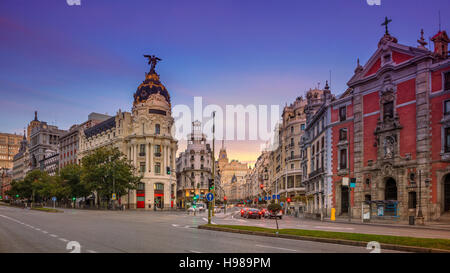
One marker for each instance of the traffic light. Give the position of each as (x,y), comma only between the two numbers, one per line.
(74,198)
(288,200)
(168,170)
(261,186)
(224,198)
(0,197)
(17,196)
(210,184)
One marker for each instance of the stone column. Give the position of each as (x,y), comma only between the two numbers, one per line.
(147,163)
(135,155)
(150,157)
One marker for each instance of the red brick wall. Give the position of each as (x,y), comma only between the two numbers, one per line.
(370,151)
(407,116)
(371,103)
(406,91)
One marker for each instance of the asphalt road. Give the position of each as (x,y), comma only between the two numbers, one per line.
(26,231)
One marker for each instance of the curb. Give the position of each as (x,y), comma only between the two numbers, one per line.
(328,240)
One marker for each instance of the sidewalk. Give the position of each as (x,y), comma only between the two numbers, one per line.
(384,223)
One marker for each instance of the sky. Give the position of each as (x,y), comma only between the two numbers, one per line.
(68,61)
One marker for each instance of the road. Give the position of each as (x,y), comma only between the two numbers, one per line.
(26,231)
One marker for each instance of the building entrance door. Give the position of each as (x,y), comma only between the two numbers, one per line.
(390,189)
(344,199)
(447,193)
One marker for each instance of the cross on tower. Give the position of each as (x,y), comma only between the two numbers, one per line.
(385,23)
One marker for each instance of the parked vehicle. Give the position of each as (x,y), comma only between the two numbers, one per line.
(264,212)
(253,213)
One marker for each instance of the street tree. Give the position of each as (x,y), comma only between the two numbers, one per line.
(107,170)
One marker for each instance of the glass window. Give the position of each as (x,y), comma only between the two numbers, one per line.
(447,140)
(446,107)
(447,81)
(157,150)
(342,113)
(142,167)
(142,149)
(157,129)
(343,134)
(343,159)
(157,167)
(412,199)
(302,127)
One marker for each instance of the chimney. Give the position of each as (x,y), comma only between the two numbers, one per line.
(441,41)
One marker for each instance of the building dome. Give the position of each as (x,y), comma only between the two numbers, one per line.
(151,85)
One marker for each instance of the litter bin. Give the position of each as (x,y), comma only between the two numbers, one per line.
(411,220)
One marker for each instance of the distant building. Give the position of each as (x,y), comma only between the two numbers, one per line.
(21,161)
(5,182)
(69,142)
(50,162)
(9,146)
(43,137)
(194,167)
(232,176)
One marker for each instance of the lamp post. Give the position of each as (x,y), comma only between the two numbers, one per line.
(420,219)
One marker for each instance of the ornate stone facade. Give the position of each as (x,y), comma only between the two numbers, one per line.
(145,136)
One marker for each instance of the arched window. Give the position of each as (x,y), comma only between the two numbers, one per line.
(157,129)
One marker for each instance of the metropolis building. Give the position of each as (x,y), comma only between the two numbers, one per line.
(145,137)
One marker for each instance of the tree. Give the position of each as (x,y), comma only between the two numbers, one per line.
(275,208)
(71,176)
(105,168)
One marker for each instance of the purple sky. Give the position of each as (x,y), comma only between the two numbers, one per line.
(67,61)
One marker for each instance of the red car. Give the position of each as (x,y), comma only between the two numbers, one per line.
(243,210)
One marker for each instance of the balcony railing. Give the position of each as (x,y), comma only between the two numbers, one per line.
(157,154)
(293,157)
(316,172)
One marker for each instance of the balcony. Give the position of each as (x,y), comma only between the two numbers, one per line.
(157,154)
(315,173)
(289,158)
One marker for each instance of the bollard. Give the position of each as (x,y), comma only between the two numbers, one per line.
(333,214)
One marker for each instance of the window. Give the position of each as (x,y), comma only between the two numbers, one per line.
(446,107)
(292,154)
(157,167)
(343,159)
(388,110)
(142,150)
(412,199)
(157,150)
(447,140)
(157,129)
(292,142)
(292,166)
(302,127)
(342,113)
(447,81)
(323,142)
(343,134)
(142,167)
(292,129)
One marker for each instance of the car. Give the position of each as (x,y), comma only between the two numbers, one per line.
(243,210)
(191,209)
(253,213)
(279,214)
(264,212)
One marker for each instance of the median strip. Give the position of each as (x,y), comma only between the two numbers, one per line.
(399,243)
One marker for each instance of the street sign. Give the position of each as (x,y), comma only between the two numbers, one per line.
(345,181)
(281,203)
(113,197)
(260,199)
(53,198)
(265,198)
(210,196)
(352,185)
(278,197)
(273,196)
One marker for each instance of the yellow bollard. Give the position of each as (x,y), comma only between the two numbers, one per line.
(333,214)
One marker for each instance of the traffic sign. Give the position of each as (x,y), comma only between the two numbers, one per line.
(352,185)
(281,203)
(274,197)
(278,197)
(210,196)
(265,198)
(113,197)
(53,198)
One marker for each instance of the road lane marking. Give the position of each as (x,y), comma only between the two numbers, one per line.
(281,248)
(175,225)
(206,220)
(53,235)
(43,231)
(194,251)
(91,251)
(64,240)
